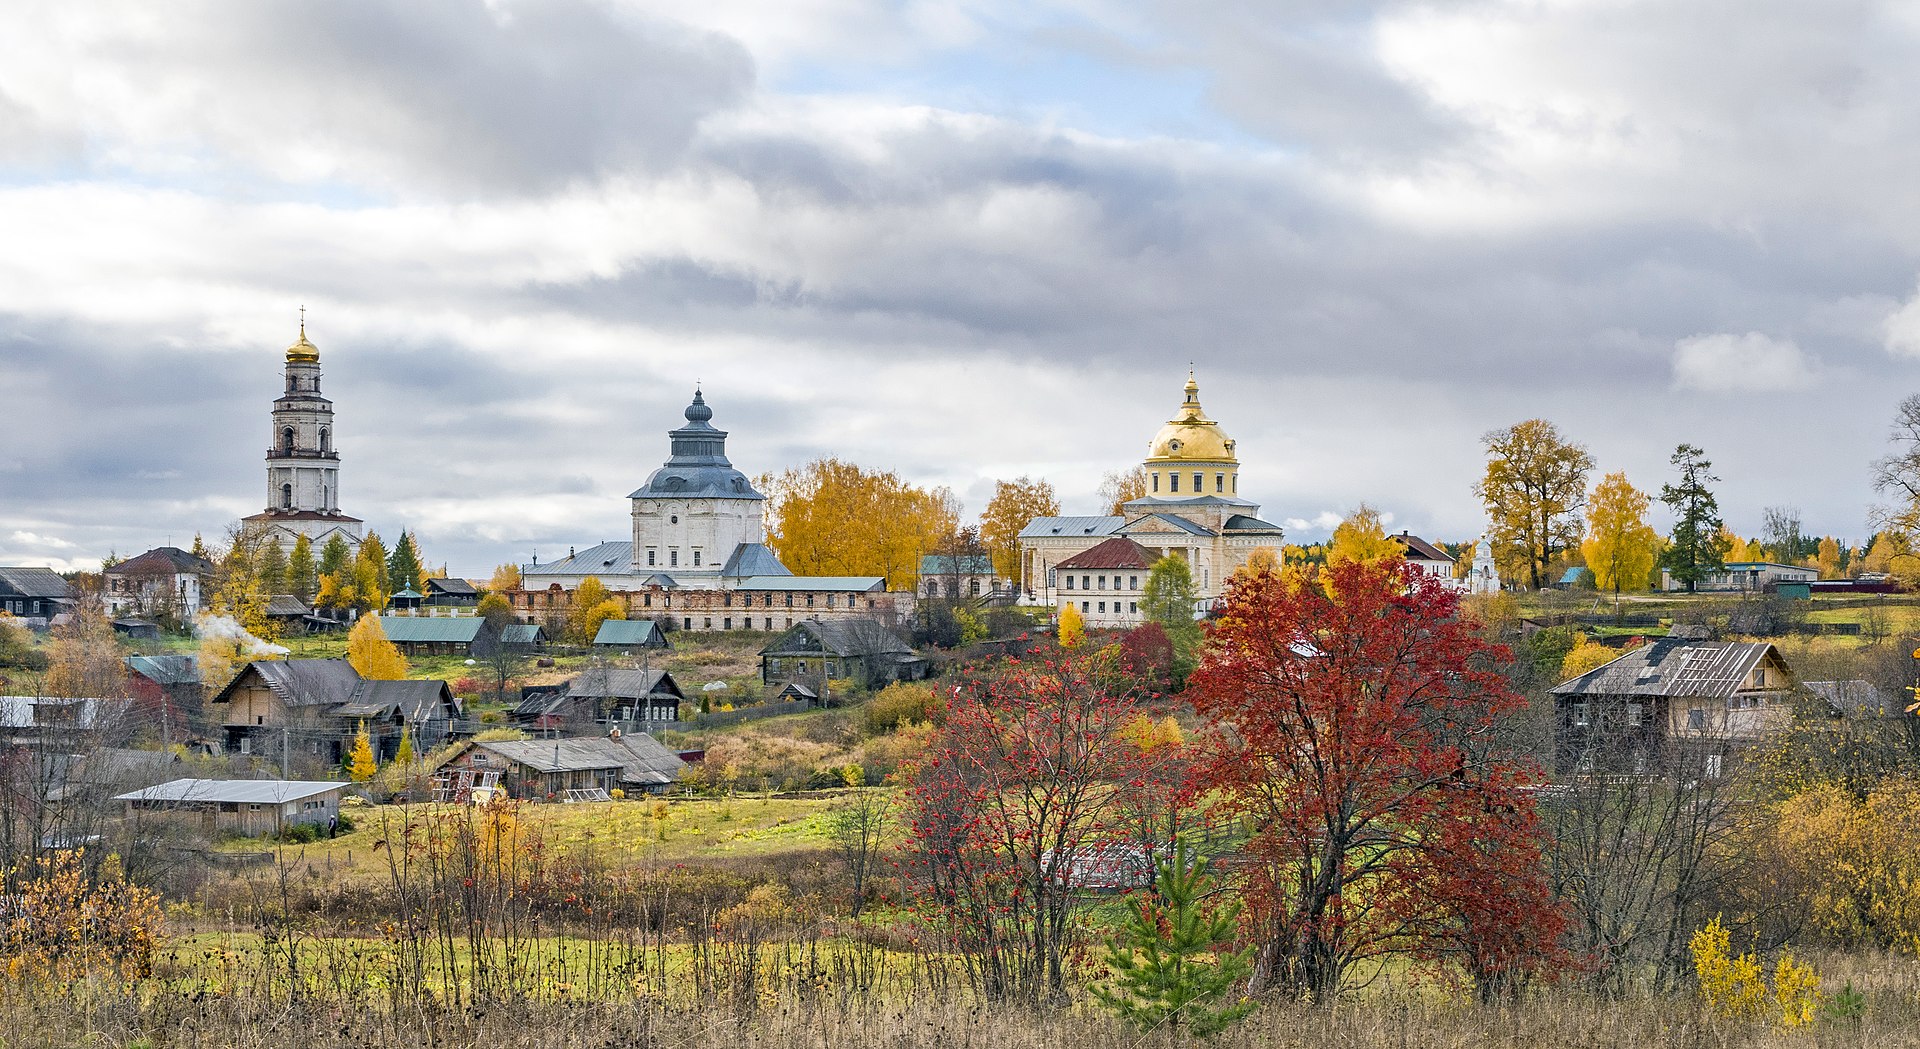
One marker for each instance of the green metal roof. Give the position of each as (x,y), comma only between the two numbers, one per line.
(627,632)
(426,629)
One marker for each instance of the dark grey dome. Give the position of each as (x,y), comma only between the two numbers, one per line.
(698,468)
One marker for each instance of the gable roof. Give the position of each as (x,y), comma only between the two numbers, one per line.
(163,560)
(1162,522)
(630,632)
(1860,698)
(1420,550)
(166,670)
(35,582)
(299,682)
(1041,527)
(1118,552)
(639,757)
(620,683)
(601,559)
(522,634)
(242,791)
(288,606)
(753,559)
(858,636)
(413,700)
(1673,667)
(456,630)
(452,587)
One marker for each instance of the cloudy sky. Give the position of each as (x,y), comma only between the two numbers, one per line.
(960,240)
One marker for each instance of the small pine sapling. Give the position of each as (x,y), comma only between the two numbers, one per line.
(1170,964)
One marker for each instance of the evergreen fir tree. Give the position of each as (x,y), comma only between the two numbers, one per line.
(335,556)
(1698,549)
(1170,964)
(270,569)
(302,573)
(403,566)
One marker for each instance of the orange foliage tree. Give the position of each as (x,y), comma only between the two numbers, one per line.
(837,519)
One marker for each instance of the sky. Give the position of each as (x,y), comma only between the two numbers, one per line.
(961,241)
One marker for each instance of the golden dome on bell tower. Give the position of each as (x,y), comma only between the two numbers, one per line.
(303,350)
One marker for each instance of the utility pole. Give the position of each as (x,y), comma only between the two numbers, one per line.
(284,761)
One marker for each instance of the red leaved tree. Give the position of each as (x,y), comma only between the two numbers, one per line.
(1017,807)
(1356,718)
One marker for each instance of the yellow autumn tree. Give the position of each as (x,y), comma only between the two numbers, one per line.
(586,600)
(371,654)
(1073,627)
(84,655)
(1828,559)
(1014,503)
(1535,484)
(833,518)
(1260,560)
(1121,487)
(1620,546)
(505,578)
(1361,537)
(361,766)
(590,622)
(1584,656)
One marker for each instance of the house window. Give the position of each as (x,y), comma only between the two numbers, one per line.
(1713,766)
(1086,606)
(829,600)
(1697,719)
(1103,606)
(1580,713)
(1086,582)
(789,600)
(647,600)
(696,559)
(809,600)
(706,623)
(1636,715)
(1133,582)
(1103,582)
(769,622)
(973,587)
(727,623)
(1133,606)
(687,623)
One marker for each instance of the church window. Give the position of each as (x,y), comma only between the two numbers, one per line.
(973,587)
(1236,484)
(1156,480)
(650,559)
(1173,482)
(1199,484)
(789,604)
(286,439)
(1133,606)
(326,439)
(696,559)
(286,496)
(1219,482)
(673,519)
(673,559)
(727,600)
(829,600)
(766,601)
(1103,606)
(647,600)
(1086,606)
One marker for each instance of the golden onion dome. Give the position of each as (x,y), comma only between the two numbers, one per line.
(1191,436)
(303,350)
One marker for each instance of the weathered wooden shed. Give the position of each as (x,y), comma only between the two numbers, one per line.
(247,807)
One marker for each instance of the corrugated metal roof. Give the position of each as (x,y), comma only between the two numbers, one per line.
(858,584)
(35,582)
(611,558)
(415,699)
(287,605)
(459,630)
(1118,552)
(1669,667)
(629,632)
(239,791)
(452,587)
(620,683)
(639,757)
(1179,523)
(1244,523)
(858,636)
(1042,527)
(166,670)
(168,560)
(1421,550)
(753,559)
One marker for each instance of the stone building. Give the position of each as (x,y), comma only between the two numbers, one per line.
(698,558)
(303,464)
(1193,510)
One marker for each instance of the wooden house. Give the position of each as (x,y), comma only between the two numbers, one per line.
(604,696)
(441,635)
(1678,705)
(36,594)
(316,706)
(861,649)
(579,769)
(247,807)
(451,593)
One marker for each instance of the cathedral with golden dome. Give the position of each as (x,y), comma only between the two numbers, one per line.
(303,466)
(1192,510)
